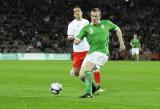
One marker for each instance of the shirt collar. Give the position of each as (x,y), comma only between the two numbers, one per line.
(92,23)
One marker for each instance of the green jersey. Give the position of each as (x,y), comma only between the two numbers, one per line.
(97,36)
(135,43)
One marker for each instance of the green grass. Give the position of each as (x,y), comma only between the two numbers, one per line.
(128,85)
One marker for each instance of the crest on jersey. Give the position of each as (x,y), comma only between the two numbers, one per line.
(103,26)
(91,30)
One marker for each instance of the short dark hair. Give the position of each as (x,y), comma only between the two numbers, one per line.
(77,6)
(96,10)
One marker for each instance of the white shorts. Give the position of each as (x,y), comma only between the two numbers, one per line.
(97,58)
(135,51)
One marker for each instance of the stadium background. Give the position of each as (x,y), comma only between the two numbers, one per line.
(40,26)
(36,30)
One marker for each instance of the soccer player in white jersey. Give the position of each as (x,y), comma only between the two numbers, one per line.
(79,51)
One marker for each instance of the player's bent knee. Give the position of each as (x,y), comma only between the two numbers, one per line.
(81,74)
(82,78)
(76,73)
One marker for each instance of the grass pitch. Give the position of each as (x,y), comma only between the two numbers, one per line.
(127,84)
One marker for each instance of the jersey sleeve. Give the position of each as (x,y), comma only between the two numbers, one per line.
(70,30)
(82,34)
(131,42)
(87,22)
(111,25)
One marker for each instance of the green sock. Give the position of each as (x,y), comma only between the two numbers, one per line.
(82,78)
(88,81)
(94,84)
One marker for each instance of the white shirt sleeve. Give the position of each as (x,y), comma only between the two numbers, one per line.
(70,30)
(87,22)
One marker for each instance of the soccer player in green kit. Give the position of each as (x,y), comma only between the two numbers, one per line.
(97,34)
(136,47)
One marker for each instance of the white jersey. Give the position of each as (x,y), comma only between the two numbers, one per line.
(73,30)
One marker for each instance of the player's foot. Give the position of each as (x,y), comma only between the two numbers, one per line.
(95,89)
(72,73)
(100,90)
(87,95)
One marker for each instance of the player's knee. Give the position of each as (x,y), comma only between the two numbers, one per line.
(81,74)
(82,78)
(76,73)
(89,66)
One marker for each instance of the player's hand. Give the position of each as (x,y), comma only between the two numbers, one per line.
(122,47)
(123,54)
(122,50)
(76,42)
(131,45)
(70,39)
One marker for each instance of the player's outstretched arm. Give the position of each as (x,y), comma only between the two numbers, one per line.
(120,39)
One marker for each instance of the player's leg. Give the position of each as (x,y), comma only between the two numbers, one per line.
(133,57)
(78,58)
(73,60)
(86,71)
(100,60)
(137,57)
(97,76)
(133,54)
(137,54)
(76,64)
(74,71)
(89,64)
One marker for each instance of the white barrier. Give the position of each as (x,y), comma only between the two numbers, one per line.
(35,56)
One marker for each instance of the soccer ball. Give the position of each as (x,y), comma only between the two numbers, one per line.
(56,88)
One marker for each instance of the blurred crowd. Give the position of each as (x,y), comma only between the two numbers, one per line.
(41,25)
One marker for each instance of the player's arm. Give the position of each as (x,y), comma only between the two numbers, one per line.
(120,39)
(114,27)
(131,44)
(80,36)
(70,33)
(70,38)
